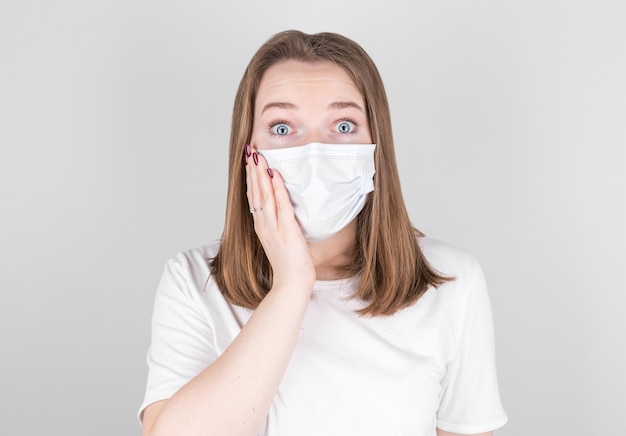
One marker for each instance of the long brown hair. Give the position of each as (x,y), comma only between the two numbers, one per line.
(393,271)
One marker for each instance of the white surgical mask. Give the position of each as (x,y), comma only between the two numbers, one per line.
(327,183)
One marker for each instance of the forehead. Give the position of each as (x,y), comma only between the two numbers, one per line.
(293,79)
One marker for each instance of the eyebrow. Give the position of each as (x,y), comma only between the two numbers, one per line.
(278,104)
(334,105)
(344,104)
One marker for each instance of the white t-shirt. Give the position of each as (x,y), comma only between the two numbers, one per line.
(429,365)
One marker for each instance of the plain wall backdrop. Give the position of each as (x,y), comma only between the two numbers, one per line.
(510,128)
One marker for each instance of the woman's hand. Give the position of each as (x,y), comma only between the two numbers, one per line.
(275,224)
(235,392)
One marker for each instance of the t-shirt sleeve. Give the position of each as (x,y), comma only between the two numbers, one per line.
(470,401)
(181,342)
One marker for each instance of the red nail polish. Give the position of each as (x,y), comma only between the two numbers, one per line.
(270,172)
(255,158)
(245,160)
(248,152)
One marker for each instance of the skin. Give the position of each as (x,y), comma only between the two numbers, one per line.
(297,103)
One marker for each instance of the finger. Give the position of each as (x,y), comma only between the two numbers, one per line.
(252,187)
(249,186)
(262,190)
(284,209)
(262,178)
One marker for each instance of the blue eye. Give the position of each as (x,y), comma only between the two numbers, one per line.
(345,127)
(280,129)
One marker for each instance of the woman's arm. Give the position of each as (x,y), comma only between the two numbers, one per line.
(233,394)
(447,433)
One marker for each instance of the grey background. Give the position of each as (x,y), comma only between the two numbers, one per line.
(509,119)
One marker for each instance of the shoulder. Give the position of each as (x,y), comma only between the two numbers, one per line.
(189,270)
(448,259)
(467,287)
(194,259)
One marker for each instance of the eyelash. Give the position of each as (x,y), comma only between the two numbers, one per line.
(348,120)
(273,124)
(276,123)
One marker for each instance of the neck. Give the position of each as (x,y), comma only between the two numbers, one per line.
(331,255)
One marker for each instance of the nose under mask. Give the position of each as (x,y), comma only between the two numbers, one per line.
(327,183)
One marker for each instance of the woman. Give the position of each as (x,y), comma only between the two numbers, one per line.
(321,311)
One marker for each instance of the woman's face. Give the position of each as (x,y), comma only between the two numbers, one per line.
(298,103)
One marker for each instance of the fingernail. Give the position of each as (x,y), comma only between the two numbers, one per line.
(270,172)
(255,158)
(248,152)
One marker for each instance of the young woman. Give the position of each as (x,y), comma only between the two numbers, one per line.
(321,311)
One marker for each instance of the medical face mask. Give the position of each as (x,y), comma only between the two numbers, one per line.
(327,183)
